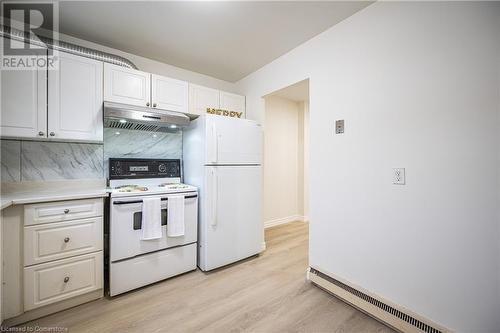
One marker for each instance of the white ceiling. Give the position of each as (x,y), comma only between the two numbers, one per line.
(297,92)
(226,40)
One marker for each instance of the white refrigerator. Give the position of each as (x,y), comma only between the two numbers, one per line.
(222,156)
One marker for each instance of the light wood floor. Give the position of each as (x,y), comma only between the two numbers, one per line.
(268,293)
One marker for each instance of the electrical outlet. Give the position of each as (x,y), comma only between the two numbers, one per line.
(398,176)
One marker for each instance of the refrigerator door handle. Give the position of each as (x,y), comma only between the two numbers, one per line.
(213,221)
(215,143)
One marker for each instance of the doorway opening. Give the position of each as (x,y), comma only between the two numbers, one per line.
(286,159)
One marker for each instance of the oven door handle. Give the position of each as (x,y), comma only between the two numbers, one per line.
(140,201)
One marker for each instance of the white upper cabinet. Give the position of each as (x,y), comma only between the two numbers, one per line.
(128,86)
(201,98)
(24,103)
(75,99)
(169,94)
(232,102)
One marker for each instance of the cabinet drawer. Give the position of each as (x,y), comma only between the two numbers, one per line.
(46,242)
(59,280)
(62,211)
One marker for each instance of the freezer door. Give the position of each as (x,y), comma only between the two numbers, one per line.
(233,141)
(231,221)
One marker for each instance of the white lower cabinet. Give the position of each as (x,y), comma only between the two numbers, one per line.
(54,241)
(62,279)
(60,211)
(53,257)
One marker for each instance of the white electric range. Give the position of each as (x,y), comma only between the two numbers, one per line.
(134,262)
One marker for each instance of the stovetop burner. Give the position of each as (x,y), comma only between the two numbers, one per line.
(131,188)
(173,186)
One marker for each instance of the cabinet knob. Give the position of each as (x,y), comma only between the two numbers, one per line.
(40,133)
(66,279)
(66,211)
(52,134)
(147,104)
(154,105)
(66,240)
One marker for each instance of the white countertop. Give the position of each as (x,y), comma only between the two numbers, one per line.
(34,193)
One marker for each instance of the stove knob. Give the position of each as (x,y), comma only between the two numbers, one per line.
(117,168)
(162,168)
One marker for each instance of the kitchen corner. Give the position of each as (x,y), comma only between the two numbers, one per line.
(36,192)
(35,217)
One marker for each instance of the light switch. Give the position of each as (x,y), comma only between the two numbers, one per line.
(339,126)
(399,176)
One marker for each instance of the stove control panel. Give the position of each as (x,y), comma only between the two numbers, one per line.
(129,168)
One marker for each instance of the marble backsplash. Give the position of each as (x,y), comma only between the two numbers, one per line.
(41,161)
(46,161)
(140,144)
(10,160)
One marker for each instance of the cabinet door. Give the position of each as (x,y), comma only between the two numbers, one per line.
(62,279)
(169,94)
(232,102)
(52,241)
(201,98)
(75,99)
(128,86)
(24,103)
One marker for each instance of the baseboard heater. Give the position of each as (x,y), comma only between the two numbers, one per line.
(391,314)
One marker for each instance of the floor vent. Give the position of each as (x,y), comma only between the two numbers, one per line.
(401,319)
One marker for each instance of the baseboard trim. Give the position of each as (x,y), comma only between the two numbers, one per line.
(391,314)
(283,220)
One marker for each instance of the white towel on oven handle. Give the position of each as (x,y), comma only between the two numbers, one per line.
(151,219)
(175,216)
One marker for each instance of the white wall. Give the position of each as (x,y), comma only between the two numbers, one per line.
(300,160)
(286,160)
(281,148)
(304,159)
(156,67)
(418,86)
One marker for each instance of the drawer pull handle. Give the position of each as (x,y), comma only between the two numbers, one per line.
(66,239)
(66,211)
(66,279)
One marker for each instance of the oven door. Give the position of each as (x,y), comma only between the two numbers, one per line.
(125,226)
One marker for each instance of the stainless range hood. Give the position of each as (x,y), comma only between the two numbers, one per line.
(124,116)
